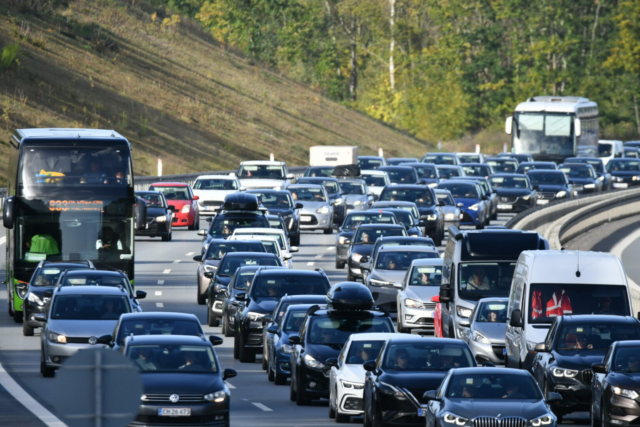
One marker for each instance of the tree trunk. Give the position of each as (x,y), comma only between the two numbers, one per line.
(635,106)
(353,77)
(392,70)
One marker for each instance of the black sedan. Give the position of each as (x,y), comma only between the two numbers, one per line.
(489,397)
(182,380)
(625,172)
(280,202)
(598,165)
(616,386)
(563,362)
(584,176)
(159,216)
(515,192)
(407,367)
(400,174)
(351,222)
(362,245)
(551,185)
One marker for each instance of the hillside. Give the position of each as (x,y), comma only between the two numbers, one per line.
(167,86)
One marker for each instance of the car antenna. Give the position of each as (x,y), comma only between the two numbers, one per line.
(578,270)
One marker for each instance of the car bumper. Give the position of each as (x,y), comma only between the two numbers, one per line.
(623,411)
(154,229)
(576,396)
(385,296)
(350,402)
(315,221)
(417,318)
(202,414)
(56,354)
(400,413)
(183,219)
(30,311)
(487,352)
(517,206)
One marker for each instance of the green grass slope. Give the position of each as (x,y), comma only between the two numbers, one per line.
(165,85)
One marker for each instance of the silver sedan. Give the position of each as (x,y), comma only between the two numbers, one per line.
(485,334)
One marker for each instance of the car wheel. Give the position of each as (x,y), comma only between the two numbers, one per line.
(479,226)
(340,265)
(202,298)
(300,399)
(332,412)
(559,418)
(342,418)
(246,355)
(604,422)
(295,241)
(27,330)
(366,422)
(350,278)
(167,237)
(193,226)
(293,396)
(376,421)
(265,366)
(279,379)
(44,369)
(236,346)
(328,230)
(226,327)
(595,418)
(9,304)
(270,375)
(17,316)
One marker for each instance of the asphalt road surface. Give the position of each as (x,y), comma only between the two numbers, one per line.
(166,271)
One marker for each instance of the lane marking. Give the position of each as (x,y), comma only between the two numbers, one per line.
(231,386)
(261,406)
(621,246)
(159,305)
(27,401)
(158,293)
(310,263)
(330,248)
(190,254)
(3,240)
(319,256)
(160,282)
(176,261)
(166,271)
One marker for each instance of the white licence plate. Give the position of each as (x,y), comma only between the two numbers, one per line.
(174,412)
(305,218)
(621,185)
(505,207)
(542,202)
(209,208)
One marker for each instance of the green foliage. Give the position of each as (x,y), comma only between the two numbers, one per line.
(9,56)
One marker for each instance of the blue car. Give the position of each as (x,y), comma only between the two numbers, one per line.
(471,201)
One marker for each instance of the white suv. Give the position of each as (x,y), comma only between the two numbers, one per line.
(212,190)
(263,174)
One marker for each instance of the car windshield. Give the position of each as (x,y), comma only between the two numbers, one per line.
(354,220)
(332,187)
(547,300)
(294,320)
(623,165)
(595,336)
(439,160)
(374,180)
(492,386)
(576,171)
(368,236)
(386,205)
(446,198)
(319,171)
(326,330)
(461,191)
(94,280)
(362,351)
(627,359)
(604,149)
(503,165)
(469,158)
(426,356)
(401,260)
(352,188)
(279,237)
(421,197)
(274,200)
(215,184)
(447,173)
(172,193)
(404,175)
(216,250)
(369,164)
(426,171)
(277,286)
(491,312)
(89,307)
(511,182)
(152,200)
(477,170)
(224,226)
(261,172)
(547,178)
(485,279)
(242,279)
(595,163)
(157,326)
(271,246)
(428,275)
(48,276)
(229,265)
(173,358)
(308,194)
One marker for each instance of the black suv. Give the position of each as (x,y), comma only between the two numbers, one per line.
(324,333)
(44,278)
(267,288)
(348,228)
(280,202)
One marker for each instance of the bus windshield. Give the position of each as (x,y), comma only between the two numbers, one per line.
(546,134)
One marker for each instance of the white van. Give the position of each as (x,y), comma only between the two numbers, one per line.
(551,283)
(608,150)
(330,155)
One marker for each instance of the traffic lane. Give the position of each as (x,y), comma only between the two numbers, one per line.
(629,259)
(12,413)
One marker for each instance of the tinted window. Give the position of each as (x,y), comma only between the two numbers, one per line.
(627,359)
(589,337)
(215,184)
(369,163)
(48,276)
(324,171)
(492,312)
(173,358)
(370,235)
(446,198)
(547,179)
(477,170)
(502,165)
(94,280)
(374,180)
(261,171)
(273,286)
(331,186)
(400,260)
(617,165)
(421,197)
(173,193)
(352,187)
(461,191)
(225,226)
(361,351)
(89,307)
(439,160)
(229,265)
(509,182)
(576,171)
(354,220)
(216,250)
(493,386)
(447,173)
(426,172)
(152,200)
(324,330)
(426,356)
(160,326)
(271,200)
(486,279)
(307,194)
(294,320)
(428,275)
(401,176)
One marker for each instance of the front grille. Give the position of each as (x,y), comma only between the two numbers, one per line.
(77,340)
(502,422)
(181,421)
(353,404)
(164,398)
(312,220)
(508,199)
(418,393)
(546,195)
(425,321)
(498,351)
(587,375)
(343,251)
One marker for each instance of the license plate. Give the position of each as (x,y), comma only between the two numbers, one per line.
(305,218)
(174,412)
(422,412)
(620,185)
(504,351)
(209,208)
(146,226)
(505,207)
(542,202)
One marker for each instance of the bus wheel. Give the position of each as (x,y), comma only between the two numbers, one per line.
(17,316)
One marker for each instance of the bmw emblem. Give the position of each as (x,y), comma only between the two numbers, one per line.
(93,340)
(174,398)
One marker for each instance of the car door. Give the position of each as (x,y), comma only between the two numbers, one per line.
(598,383)
(543,358)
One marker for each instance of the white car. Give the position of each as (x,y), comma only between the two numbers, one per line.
(414,305)
(376,180)
(263,174)
(346,378)
(212,189)
(272,246)
(259,233)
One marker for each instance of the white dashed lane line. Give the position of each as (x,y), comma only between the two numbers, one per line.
(310,263)
(158,293)
(263,407)
(177,261)
(190,254)
(231,386)
(330,248)
(166,271)
(160,282)
(319,256)
(159,305)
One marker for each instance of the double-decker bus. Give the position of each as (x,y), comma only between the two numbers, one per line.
(70,198)
(553,128)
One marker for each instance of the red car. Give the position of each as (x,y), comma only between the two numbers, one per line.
(437,317)
(181,201)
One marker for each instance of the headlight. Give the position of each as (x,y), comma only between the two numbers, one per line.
(59,338)
(161,218)
(432,217)
(450,217)
(312,363)
(623,392)
(352,386)
(463,311)
(253,316)
(450,418)
(287,348)
(21,289)
(567,373)
(358,203)
(411,303)
(527,197)
(433,185)
(544,420)
(218,396)
(186,209)
(356,257)
(601,178)
(392,391)
(478,337)
(342,240)
(35,299)
(589,186)
(375,282)
(636,178)
(338,201)
(323,210)
(210,268)
(474,207)
(561,193)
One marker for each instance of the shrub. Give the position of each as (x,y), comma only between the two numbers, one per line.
(9,55)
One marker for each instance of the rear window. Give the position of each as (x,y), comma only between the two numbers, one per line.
(160,326)
(426,356)
(277,286)
(421,197)
(173,193)
(462,191)
(216,250)
(368,236)
(229,265)
(225,226)
(215,184)
(354,220)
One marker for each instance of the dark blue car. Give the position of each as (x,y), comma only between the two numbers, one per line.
(470,200)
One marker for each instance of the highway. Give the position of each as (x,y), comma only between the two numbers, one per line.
(166,271)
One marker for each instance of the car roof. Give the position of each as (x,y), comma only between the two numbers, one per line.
(294,186)
(262,162)
(266,191)
(148,192)
(377,226)
(169,184)
(90,290)
(65,264)
(367,336)
(160,314)
(194,340)
(370,157)
(400,248)
(427,262)
(397,203)
(230,177)
(82,272)
(543,171)
(317,178)
(258,230)
(291,272)
(372,172)
(491,370)
(458,182)
(249,254)
(441,154)
(294,298)
(368,213)
(407,187)
(597,318)
(402,238)
(390,167)
(68,133)
(514,175)
(504,158)
(629,343)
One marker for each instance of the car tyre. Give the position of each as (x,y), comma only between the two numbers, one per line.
(342,418)
(328,230)
(27,330)
(366,422)
(332,412)
(226,327)
(236,346)
(270,375)
(279,379)
(340,265)
(595,418)
(376,421)
(202,298)
(350,278)
(46,371)
(300,399)
(245,355)
(295,240)
(17,316)
(265,366)
(293,396)
(479,226)
(604,422)
(167,238)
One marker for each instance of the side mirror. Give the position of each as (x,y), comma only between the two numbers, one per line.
(445,294)
(335,226)
(214,340)
(430,395)
(516,319)
(141,213)
(208,274)
(485,197)
(294,339)
(369,365)
(240,296)
(299,206)
(365,266)
(289,176)
(554,397)
(397,285)
(141,294)
(347,242)
(196,198)
(266,319)
(105,339)
(460,205)
(330,362)
(293,249)
(508,125)
(48,293)
(599,368)
(272,329)
(287,257)
(8,212)
(364,259)
(198,258)
(202,232)
(39,318)
(540,347)
(577,126)
(464,323)
(229,373)
(535,187)
(208,219)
